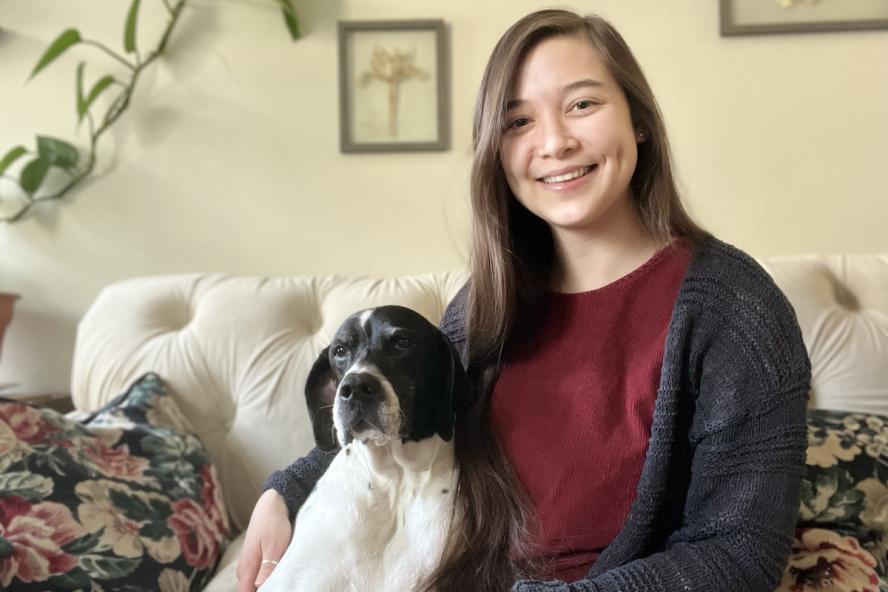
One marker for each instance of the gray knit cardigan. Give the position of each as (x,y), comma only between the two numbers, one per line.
(718,496)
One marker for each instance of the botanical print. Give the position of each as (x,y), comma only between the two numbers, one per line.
(172,581)
(393,67)
(129,499)
(824,560)
(113,511)
(110,461)
(843,517)
(32,540)
(11,448)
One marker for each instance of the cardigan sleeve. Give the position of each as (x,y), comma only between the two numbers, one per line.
(296,482)
(749,371)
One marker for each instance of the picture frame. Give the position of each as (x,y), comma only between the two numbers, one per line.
(762,17)
(394,86)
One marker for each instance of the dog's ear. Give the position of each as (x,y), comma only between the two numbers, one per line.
(320,391)
(455,394)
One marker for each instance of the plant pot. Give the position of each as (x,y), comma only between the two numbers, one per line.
(7,303)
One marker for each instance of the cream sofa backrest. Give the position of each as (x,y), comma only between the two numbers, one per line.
(841,302)
(236,350)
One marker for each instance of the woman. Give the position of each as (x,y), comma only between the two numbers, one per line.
(642,386)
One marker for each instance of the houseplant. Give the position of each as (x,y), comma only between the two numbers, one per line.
(33,184)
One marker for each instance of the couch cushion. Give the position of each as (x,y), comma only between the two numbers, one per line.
(129,496)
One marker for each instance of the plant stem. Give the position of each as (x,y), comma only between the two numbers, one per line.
(174,16)
(110,52)
(115,110)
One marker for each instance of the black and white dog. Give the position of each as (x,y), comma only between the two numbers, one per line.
(388,386)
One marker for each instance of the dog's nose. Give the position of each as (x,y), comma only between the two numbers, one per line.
(360,385)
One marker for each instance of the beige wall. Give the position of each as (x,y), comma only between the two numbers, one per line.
(229,160)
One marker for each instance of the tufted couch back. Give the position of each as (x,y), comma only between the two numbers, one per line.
(236,350)
(841,302)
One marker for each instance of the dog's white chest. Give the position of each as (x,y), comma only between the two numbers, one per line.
(377,521)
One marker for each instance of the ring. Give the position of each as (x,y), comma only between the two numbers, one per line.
(272,561)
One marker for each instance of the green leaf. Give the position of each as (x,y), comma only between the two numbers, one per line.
(156,530)
(12,156)
(76,579)
(84,544)
(58,152)
(33,174)
(290,18)
(94,93)
(132,507)
(81,108)
(26,485)
(160,509)
(129,35)
(68,38)
(108,568)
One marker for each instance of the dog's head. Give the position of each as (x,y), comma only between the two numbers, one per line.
(388,374)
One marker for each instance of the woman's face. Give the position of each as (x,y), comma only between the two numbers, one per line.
(569,147)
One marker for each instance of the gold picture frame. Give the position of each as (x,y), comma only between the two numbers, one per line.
(762,17)
(394,86)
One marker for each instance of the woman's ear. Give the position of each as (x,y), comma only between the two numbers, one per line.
(320,391)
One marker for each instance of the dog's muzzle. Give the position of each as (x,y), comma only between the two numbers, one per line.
(361,397)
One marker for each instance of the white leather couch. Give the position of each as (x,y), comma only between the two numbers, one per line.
(236,351)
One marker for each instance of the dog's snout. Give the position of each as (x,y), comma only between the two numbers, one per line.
(359,385)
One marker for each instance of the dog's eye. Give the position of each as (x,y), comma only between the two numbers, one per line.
(339,352)
(403,343)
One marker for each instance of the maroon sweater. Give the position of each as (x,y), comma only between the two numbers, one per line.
(574,402)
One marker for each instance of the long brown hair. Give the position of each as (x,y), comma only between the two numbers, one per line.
(512,253)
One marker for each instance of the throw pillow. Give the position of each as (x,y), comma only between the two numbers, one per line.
(843,519)
(825,561)
(125,500)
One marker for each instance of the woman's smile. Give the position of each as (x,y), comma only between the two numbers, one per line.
(568,179)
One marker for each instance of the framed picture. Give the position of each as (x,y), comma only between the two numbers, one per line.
(754,17)
(393,86)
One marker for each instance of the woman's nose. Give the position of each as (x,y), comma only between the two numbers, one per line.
(556,138)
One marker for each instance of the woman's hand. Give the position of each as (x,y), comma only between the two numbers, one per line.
(268,536)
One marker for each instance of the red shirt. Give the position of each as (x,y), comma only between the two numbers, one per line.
(574,402)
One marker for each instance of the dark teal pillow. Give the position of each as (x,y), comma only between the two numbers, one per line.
(126,500)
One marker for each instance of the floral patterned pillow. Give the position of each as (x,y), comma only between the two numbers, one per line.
(125,500)
(842,536)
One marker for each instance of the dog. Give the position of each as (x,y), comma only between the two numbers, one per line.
(385,392)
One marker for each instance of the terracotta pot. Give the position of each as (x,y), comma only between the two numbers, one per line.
(7,302)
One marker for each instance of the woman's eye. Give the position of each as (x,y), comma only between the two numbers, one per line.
(517,122)
(339,352)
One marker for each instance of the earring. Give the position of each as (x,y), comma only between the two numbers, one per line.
(640,136)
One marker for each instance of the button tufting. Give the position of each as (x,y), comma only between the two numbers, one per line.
(172,314)
(843,295)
